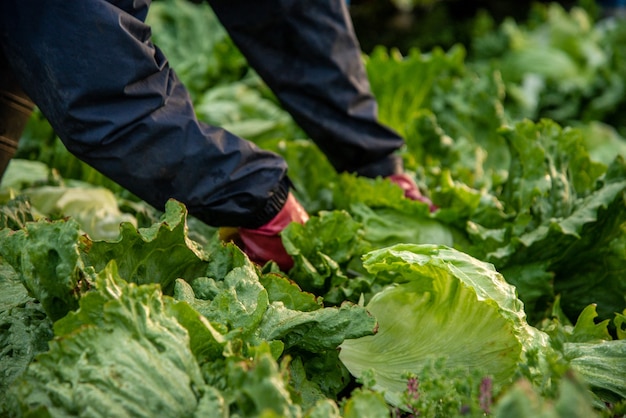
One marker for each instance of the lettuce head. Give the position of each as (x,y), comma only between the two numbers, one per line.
(441,303)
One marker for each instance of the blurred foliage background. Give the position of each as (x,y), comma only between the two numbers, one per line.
(425,24)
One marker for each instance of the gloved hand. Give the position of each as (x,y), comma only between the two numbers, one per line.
(263,244)
(411,191)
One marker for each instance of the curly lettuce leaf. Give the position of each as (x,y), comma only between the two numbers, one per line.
(560,65)
(592,269)
(251,309)
(592,353)
(162,252)
(561,212)
(261,386)
(316,331)
(547,194)
(411,89)
(24,330)
(242,308)
(282,289)
(55,262)
(405,84)
(322,249)
(120,354)
(47,258)
(443,303)
(16,213)
(236,301)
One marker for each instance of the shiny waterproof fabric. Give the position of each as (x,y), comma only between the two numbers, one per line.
(111,97)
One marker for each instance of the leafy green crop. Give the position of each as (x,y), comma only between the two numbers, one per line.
(116,322)
(453,307)
(508,301)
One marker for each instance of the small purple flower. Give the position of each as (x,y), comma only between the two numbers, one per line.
(486,387)
(412,393)
(412,388)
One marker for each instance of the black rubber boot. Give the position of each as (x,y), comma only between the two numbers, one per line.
(15,109)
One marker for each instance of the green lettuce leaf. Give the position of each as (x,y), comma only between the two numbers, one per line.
(205,340)
(47,259)
(522,401)
(322,249)
(261,386)
(236,301)
(386,226)
(591,270)
(404,84)
(23,173)
(366,404)
(561,212)
(16,213)
(559,64)
(411,89)
(242,308)
(196,44)
(243,109)
(56,262)
(250,309)
(162,252)
(600,365)
(316,331)
(282,289)
(592,353)
(603,141)
(258,386)
(120,354)
(94,208)
(444,303)
(550,178)
(24,330)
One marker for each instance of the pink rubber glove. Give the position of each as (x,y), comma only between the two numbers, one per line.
(411,191)
(263,244)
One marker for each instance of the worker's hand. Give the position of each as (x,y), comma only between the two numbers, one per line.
(411,191)
(263,244)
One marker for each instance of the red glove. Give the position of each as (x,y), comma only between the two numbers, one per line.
(263,244)
(411,191)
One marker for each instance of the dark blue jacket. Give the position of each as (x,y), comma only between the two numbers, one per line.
(108,92)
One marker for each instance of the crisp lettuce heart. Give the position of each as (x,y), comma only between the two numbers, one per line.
(443,303)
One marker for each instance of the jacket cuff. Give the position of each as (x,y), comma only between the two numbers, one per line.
(391,164)
(273,206)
